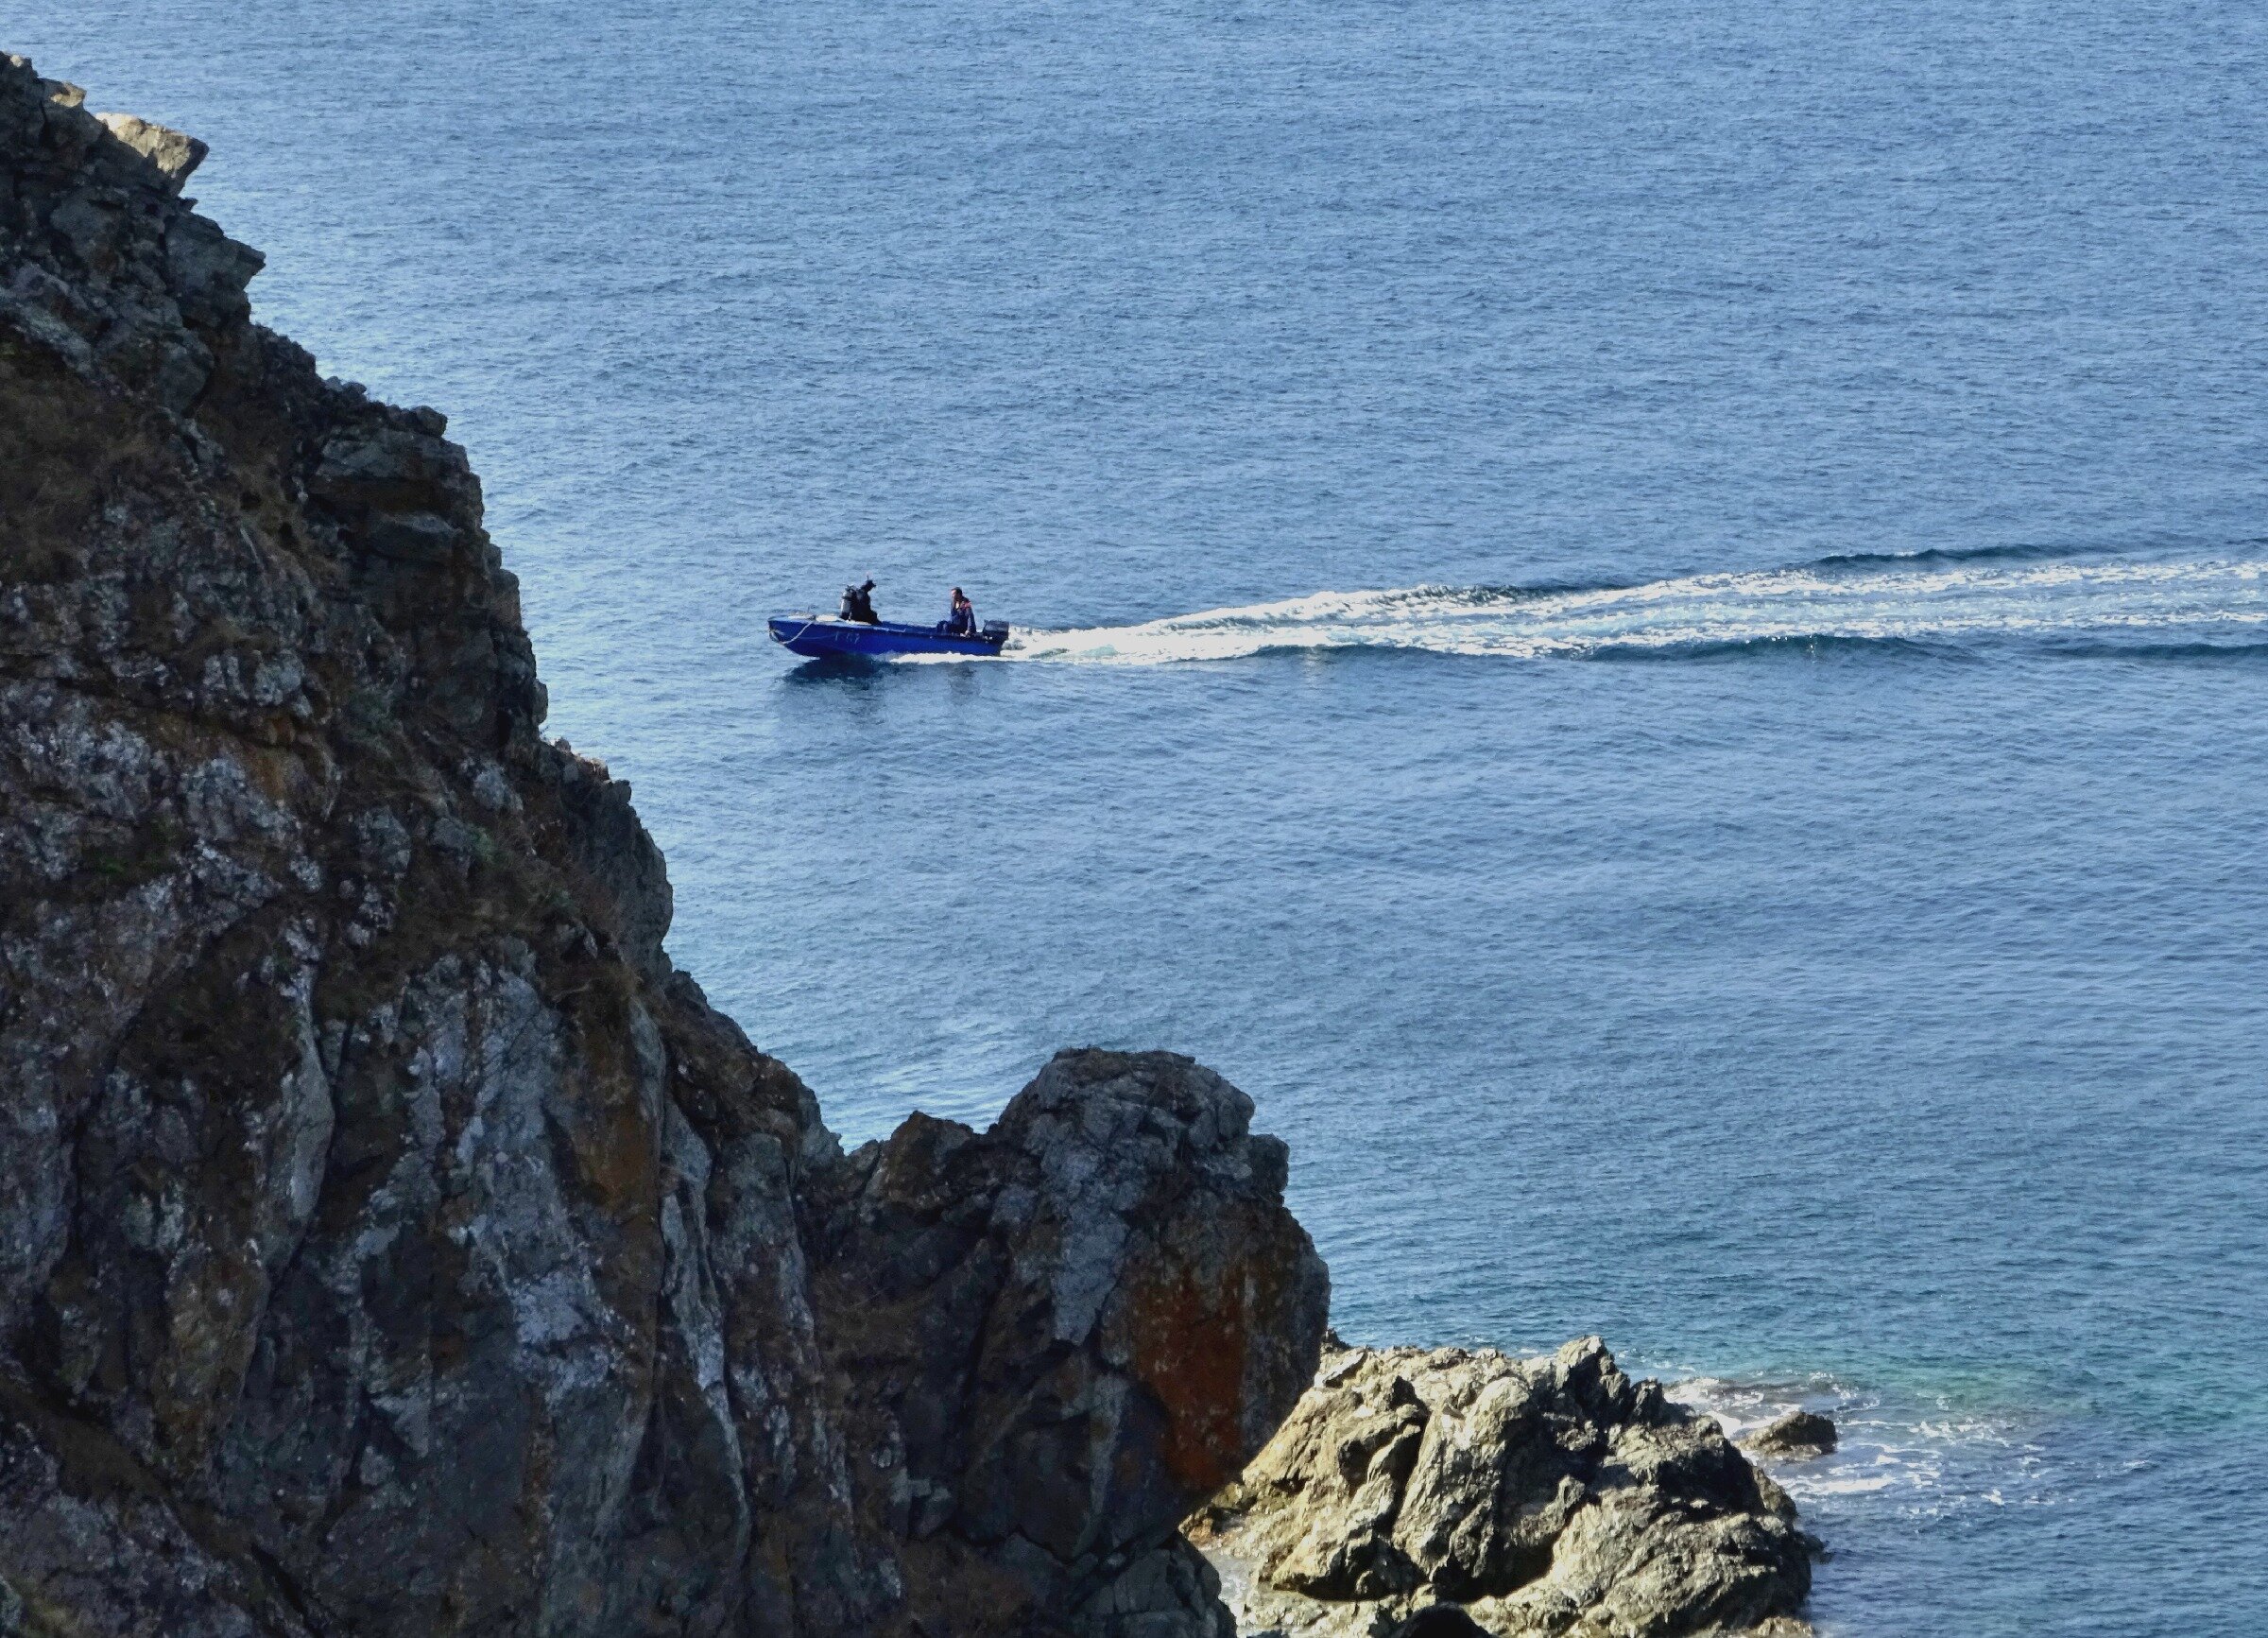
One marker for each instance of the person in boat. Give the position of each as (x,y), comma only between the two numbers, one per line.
(858,603)
(961,622)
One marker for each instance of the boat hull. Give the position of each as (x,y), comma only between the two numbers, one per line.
(822,637)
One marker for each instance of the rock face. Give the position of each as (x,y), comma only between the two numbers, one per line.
(1063,1334)
(391,1241)
(1545,1496)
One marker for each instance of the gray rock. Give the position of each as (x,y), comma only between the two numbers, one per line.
(1526,1496)
(173,153)
(208,271)
(1799,1436)
(1169,1591)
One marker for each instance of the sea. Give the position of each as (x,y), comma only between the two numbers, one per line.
(1649,622)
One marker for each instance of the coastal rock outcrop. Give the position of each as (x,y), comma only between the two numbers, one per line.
(1063,1335)
(1444,1491)
(391,1240)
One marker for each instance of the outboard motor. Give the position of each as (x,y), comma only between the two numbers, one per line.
(995,632)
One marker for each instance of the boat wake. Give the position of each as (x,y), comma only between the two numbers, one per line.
(2174,606)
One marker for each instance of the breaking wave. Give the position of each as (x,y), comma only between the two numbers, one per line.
(2170,607)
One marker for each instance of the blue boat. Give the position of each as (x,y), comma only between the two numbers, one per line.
(827,636)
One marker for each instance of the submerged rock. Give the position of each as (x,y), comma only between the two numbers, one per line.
(1416,1492)
(1799,1436)
(391,1240)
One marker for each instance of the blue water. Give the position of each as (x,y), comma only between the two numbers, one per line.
(1649,622)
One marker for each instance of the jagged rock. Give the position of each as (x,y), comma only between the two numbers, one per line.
(1067,1332)
(1795,1437)
(391,1240)
(1413,1491)
(1169,1591)
(175,153)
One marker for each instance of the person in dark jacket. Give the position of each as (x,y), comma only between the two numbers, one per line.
(961,622)
(858,604)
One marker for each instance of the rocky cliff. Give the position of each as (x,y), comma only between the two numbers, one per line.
(391,1241)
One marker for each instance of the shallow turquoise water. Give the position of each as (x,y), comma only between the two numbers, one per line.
(1761,857)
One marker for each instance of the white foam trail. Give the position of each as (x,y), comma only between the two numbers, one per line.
(1924,601)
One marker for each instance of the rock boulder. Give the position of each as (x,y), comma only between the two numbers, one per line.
(1799,1436)
(1418,1490)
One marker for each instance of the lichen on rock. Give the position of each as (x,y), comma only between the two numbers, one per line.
(1526,1497)
(1062,1335)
